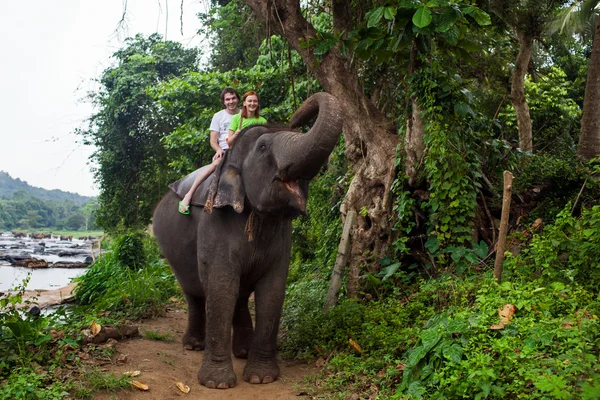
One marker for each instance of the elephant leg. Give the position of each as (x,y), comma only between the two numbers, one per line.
(194,338)
(262,362)
(221,297)
(242,328)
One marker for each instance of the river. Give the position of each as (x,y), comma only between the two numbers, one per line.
(52,250)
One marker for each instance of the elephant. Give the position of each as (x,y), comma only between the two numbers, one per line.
(239,240)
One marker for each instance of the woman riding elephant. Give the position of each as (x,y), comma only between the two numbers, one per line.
(249,116)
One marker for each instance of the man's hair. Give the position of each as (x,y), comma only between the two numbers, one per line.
(228,90)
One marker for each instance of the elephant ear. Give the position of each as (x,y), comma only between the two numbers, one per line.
(226,189)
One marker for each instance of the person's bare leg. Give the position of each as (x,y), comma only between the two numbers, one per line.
(203,173)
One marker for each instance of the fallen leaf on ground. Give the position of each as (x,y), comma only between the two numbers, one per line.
(183,387)
(355,345)
(132,374)
(95,328)
(506,313)
(139,385)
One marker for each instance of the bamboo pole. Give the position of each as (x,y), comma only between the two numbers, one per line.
(340,262)
(506,197)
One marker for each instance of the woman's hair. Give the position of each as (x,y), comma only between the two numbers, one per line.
(228,90)
(244,110)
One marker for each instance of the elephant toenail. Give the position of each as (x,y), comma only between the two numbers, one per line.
(254,379)
(223,385)
(268,379)
(210,385)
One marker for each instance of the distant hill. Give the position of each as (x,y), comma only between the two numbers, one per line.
(9,185)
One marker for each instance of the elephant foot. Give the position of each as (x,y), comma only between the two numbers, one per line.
(261,372)
(193,343)
(221,377)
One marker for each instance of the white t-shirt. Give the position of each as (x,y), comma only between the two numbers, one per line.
(220,123)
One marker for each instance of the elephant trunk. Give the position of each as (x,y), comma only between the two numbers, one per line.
(305,153)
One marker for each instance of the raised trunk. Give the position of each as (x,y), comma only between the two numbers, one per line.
(589,138)
(370,137)
(307,152)
(517,91)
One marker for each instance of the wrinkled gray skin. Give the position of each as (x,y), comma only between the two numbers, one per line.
(219,265)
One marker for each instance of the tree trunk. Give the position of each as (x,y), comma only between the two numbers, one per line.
(415,127)
(517,91)
(370,137)
(589,138)
(506,199)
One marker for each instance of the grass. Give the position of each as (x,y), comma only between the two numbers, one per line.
(97,380)
(155,335)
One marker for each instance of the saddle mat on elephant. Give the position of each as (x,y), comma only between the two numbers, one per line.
(182,186)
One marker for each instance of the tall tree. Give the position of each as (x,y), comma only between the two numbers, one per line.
(527,19)
(584,17)
(370,131)
(369,135)
(129,153)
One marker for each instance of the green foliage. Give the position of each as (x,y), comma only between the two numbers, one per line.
(453,182)
(435,340)
(26,384)
(23,211)
(27,350)
(567,251)
(444,348)
(559,179)
(19,330)
(555,115)
(154,335)
(97,380)
(126,132)
(112,284)
(391,28)
(234,35)
(129,249)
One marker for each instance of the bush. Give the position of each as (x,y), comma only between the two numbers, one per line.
(111,284)
(129,249)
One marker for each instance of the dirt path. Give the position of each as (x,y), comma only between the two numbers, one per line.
(163,363)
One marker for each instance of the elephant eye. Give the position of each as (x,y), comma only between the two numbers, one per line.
(262,146)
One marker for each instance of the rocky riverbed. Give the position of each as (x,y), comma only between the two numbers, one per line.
(51,262)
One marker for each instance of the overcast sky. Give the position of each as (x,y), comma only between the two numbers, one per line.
(53,51)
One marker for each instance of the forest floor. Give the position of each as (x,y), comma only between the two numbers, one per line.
(162,364)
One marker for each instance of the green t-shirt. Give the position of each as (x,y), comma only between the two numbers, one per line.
(234,125)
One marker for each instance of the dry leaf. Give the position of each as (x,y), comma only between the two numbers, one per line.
(132,374)
(183,387)
(139,385)
(320,362)
(355,345)
(536,224)
(506,313)
(95,328)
